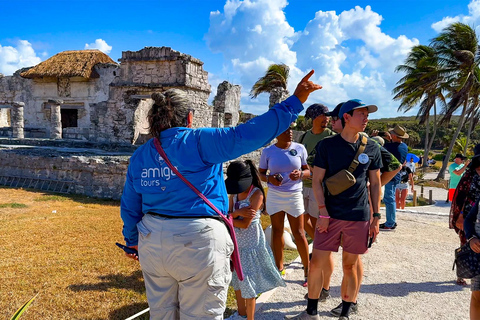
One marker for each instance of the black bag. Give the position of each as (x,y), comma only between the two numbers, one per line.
(467,262)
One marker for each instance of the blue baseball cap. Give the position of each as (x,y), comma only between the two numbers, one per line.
(355,104)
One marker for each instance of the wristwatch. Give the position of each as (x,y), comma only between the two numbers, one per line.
(377,215)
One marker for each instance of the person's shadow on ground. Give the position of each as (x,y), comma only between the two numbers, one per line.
(403,289)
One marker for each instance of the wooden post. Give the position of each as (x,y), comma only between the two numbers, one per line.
(415,198)
(421,192)
(430,196)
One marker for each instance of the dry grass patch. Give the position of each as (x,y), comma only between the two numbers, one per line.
(64,249)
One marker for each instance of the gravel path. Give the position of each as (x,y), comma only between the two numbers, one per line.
(408,274)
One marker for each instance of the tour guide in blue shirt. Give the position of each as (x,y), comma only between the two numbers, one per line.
(183,250)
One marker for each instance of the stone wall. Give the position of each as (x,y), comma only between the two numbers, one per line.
(90,176)
(94,176)
(99,177)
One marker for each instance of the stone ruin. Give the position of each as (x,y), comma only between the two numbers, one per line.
(110,103)
(61,104)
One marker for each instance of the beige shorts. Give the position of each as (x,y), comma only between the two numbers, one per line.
(310,203)
(186,267)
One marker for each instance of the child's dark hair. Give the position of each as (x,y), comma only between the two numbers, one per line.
(256,182)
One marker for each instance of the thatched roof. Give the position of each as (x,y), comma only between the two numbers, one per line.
(78,63)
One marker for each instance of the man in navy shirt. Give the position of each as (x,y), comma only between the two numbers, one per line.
(344,217)
(399,149)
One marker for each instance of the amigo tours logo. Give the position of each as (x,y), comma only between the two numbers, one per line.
(151,177)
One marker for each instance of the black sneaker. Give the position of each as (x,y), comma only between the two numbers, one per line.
(324,295)
(337,311)
(383,227)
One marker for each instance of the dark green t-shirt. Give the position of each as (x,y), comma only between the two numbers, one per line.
(310,141)
(334,154)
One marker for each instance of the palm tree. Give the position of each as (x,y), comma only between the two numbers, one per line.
(422,84)
(457,49)
(473,113)
(274,82)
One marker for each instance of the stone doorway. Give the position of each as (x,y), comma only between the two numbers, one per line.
(69,118)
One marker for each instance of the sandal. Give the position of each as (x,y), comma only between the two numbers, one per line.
(461,282)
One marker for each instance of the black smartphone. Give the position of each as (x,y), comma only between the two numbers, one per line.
(370,242)
(381,133)
(127,249)
(278,176)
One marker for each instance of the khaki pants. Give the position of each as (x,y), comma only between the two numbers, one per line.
(186,267)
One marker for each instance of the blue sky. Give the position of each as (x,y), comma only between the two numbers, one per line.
(354,46)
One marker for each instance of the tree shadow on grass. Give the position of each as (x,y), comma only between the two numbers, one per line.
(118,281)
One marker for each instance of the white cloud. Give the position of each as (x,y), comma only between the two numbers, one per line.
(473,17)
(351,55)
(252,35)
(14,58)
(100,45)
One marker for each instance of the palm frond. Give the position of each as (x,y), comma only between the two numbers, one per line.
(275,77)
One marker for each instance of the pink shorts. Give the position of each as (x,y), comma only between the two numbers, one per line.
(352,235)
